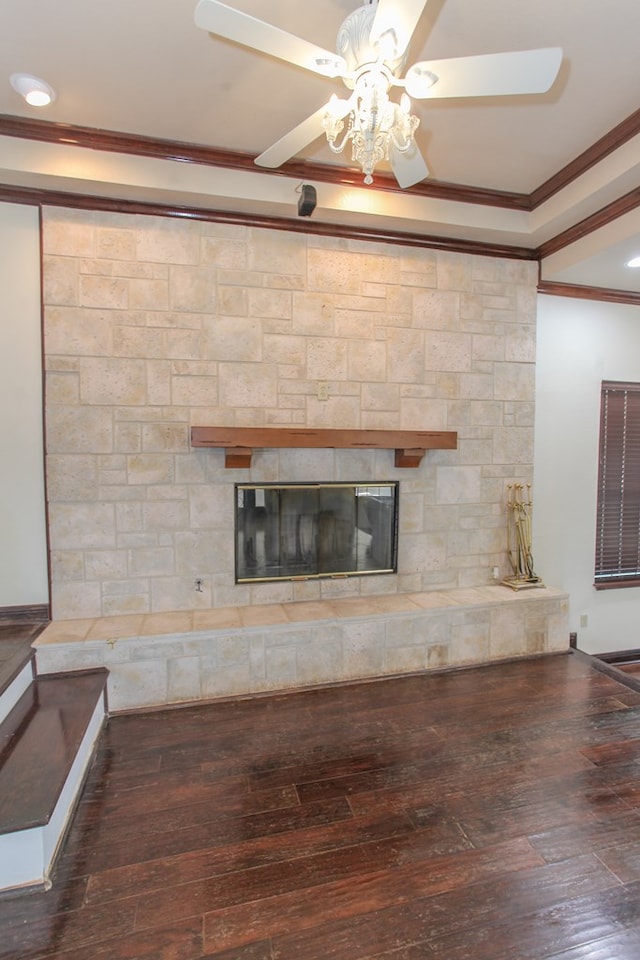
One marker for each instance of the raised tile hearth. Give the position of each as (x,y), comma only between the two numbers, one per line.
(176,657)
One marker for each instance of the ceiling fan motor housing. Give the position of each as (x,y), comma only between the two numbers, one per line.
(353,43)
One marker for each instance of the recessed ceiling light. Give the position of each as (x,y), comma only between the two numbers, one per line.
(35,91)
(634,262)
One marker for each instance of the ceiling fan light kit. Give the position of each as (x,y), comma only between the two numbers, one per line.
(371,53)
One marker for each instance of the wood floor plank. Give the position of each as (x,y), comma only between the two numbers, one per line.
(351,905)
(544,933)
(105,855)
(448,918)
(247,854)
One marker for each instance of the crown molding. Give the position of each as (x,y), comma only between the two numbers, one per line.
(594,154)
(612,211)
(53,198)
(27,128)
(578,292)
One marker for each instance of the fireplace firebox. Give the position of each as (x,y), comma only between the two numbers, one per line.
(311,530)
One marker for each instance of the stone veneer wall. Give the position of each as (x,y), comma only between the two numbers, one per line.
(152,325)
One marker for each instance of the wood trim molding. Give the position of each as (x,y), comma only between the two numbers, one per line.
(27,128)
(620,656)
(78,201)
(26,613)
(239,442)
(606,145)
(613,211)
(110,141)
(578,292)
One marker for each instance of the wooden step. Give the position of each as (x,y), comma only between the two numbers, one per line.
(16,652)
(46,744)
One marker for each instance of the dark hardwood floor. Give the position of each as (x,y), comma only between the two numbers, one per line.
(486,814)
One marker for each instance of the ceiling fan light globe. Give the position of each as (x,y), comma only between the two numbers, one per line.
(389,45)
(419,81)
(335,67)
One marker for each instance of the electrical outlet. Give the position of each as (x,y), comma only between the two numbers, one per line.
(323,390)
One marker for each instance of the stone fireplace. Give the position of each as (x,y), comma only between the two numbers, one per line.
(154,327)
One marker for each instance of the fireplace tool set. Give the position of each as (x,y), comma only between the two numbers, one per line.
(519,510)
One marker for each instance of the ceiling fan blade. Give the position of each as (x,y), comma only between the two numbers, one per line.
(486,75)
(242,28)
(394,23)
(297,139)
(408,167)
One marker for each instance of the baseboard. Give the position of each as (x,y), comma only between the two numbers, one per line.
(619,656)
(28,613)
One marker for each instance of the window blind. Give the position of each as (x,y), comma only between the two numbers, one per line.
(618,517)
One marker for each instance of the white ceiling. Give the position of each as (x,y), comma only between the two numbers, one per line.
(142,67)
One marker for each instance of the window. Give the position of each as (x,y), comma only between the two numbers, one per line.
(618,518)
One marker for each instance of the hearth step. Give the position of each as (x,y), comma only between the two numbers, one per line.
(46,743)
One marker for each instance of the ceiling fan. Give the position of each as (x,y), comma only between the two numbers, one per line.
(372,46)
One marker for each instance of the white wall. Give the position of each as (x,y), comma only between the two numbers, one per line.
(23,556)
(580,343)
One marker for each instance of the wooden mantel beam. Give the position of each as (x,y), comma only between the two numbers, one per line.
(239,442)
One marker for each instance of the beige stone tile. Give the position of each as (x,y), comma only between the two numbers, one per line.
(354,606)
(138,684)
(224,253)
(115,244)
(247,385)
(405,659)
(63,388)
(111,293)
(126,604)
(75,429)
(112,380)
(138,341)
(145,468)
(406,357)
(395,603)
(469,598)
(176,621)
(116,628)
(432,600)
(69,233)
(284,349)
(234,338)
(326,358)
(262,614)
(65,631)
(310,610)
(167,241)
(334,271)
(367,361)
(458,484)
(275,251)
(217,619)
(192,289)
(270,304)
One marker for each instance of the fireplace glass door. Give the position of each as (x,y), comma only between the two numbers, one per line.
(304,530)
